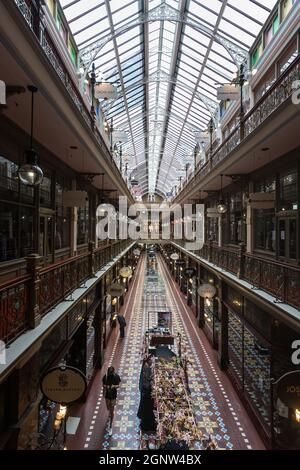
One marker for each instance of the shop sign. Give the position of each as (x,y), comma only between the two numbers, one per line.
(116,290)
(120,136)
(228,92)
(174,256)
(190,272)
(126,271)
(105,91)
(63,384)
(288,389)
(201,137)
(207,291)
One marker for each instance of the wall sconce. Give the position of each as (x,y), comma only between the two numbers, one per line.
(297,415)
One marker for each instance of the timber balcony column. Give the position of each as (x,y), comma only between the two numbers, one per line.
(33,268)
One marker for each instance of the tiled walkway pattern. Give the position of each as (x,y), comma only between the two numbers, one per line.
(217,408)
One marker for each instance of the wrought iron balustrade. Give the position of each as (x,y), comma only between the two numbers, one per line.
(54,284)
(13,308)
(278,279)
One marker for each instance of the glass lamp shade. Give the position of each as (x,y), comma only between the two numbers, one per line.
(221,207)
(30,174)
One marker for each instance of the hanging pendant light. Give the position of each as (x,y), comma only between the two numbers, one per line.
(221,206)
(30,173)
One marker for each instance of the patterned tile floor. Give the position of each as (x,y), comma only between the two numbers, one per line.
(217,408)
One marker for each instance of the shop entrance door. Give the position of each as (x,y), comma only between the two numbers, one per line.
(287,238)
(46,238)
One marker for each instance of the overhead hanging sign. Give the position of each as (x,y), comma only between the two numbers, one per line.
(288,389)
(116,290)
(120,136)
(207,291)
(174,256)
(228,92)
(136,252)
(75,198)
(201,137)
(63,384)
(105,91)
(2,93)
(126,271)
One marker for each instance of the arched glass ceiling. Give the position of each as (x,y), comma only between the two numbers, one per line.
(165,69)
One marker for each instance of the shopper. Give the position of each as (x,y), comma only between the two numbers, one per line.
(122,323)
(111,382)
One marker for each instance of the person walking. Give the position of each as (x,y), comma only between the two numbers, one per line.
(111,382)
(122,323)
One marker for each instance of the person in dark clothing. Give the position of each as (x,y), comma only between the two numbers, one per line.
(111,382)
(122,323)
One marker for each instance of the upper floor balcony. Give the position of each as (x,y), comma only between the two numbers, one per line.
(270,82)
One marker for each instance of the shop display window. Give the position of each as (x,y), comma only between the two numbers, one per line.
(265,229)
(288,191)
(82,225)
(257,367)
(63,219)
(235,346)
(212,229)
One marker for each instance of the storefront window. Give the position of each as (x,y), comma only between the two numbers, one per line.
(82,225)
(235,345)
(63,219)
(288,192)
(26,231)
(257,366)
(90,346)
(16,231)
(212,227)
(236,219)
(45,192)
(264,229)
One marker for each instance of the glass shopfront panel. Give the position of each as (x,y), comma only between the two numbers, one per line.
(264,229)
(212,229)
(90,346)
(235,346)
(63,220)
(257,366)
(82,225)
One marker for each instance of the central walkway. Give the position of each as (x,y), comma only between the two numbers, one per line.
(218,409)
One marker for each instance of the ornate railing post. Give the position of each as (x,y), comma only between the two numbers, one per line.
(241,255)
(92,269)
(33,263)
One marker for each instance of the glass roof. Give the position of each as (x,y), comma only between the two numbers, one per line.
(165,57)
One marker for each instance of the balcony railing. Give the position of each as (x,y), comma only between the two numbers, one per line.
(43,288)
(279,93)
(14,306)
(278,279)
(39,29)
